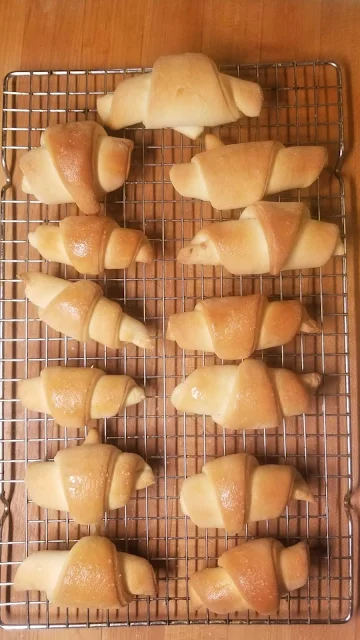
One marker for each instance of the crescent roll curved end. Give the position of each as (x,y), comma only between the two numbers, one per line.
(311,380)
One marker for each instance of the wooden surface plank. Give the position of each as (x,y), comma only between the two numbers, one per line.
(47,34)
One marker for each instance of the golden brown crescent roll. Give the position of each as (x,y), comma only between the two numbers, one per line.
(237,175)
(91,244)
(88,480)
(80,310)
(74,395)
(233,327)
(269,237)
(245,396)
(76,162)
(92,575)
(235,490)
(185,92)
(254,575)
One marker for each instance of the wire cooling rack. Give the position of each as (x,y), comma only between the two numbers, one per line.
(303,105)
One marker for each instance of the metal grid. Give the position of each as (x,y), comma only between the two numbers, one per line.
(303,105)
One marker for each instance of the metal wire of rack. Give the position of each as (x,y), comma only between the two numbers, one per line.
(303,105)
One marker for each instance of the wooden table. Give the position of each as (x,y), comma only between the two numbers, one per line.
(50,34)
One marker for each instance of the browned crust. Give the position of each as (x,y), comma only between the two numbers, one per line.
(85,240)
(253,401)
(281,225)
(231,478)
(90,577)
(251,566)
(70,311)
(230,175)
(241,317)
(68,393)
(71,147)
(86,473)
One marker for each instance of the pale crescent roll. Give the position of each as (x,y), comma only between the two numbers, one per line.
(237,175)
(245,396)
(234,490)
(253,575)
(75,395)
(93,575)
(234,327)
(91,244)
(269,237)
(80,310)
(88,480)
(185,92)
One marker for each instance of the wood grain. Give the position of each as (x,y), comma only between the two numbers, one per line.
(47,34)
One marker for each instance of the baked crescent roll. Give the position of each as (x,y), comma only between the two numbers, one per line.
(254,575)
(93,575)
(88,480)
(234,327)
(79,310)
(269,237)
(185,92)
(237,175)
(235,490)
(245,396)
(91,244)
(73,395)
(76,162)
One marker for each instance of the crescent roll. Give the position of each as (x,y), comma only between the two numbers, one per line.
(80,310)
(253,575)
(88,480)
(235,490)
(91,244)
(93,575)
(269,237)
(185,92)
(237,175)
(234,327)
(245,396)
(76,162)
(74,395)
